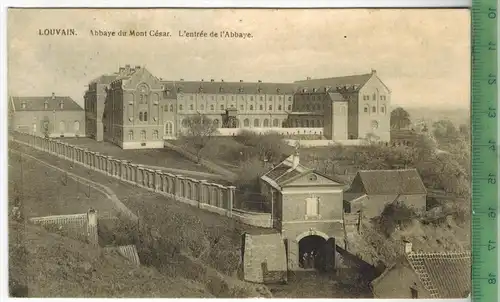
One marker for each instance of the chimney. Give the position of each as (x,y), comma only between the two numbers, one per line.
(241,81)
(182,80)
(295,159)
(259,81)
(53,96)
(222,80)
(137,66)
(308,78)
(211,80)
(407,247)
(202,80)
(374,71)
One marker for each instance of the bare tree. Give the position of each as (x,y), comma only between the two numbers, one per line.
(199,131)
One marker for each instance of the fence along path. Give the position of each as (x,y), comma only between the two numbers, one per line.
(211,197)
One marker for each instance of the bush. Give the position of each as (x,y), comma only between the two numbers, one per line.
(395,215)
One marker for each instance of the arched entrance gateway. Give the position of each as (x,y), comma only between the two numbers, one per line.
(316,251)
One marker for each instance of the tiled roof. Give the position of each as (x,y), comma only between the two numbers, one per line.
(389,182)
(232,87)
(358,80)
(444,275)
(36,103)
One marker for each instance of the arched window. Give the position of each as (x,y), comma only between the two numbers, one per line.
(143,134)
(276,123)
(221,107)
(131,135)
(189,191)
(183,189)
(279,107)
(266,122)
(169,128)
(251,107)
(212,107)
(289,107)
(382,109)
(256,122)
(76,126)
(140,117)
(366,109)
(261,107)
(145,116)
(374,109)
(290,98)
(155,134)
(62,127)
(246,122)
(171,108)
(180,107)
(191,107)
(270,107)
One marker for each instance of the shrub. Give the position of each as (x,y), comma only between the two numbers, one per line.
(395,215)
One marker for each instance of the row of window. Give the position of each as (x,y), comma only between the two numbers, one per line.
(212,107)
(246,123)
(374,97)
(143,135)
(307,123)
(45,105)
(212,97)
(62,126)
(374,109)
(310,107)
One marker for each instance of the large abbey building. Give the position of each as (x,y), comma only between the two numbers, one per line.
(134,109)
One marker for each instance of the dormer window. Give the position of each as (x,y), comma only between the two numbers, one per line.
(61,105)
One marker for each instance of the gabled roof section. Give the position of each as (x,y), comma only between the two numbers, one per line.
(391,182)
(214,87)
(444,275)
(358,80)
(37,103)
(284,172)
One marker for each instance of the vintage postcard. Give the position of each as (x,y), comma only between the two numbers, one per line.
(235,153)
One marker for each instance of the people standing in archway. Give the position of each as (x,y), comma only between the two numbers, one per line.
(305,259)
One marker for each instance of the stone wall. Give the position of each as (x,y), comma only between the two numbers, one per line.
(200,193)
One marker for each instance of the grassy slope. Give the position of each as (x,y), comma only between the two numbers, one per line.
(56,266)
(43,192)
(180,225)
(372,244)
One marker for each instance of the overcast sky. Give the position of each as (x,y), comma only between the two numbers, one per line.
(422,55)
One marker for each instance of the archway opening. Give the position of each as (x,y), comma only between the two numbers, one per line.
(310,251)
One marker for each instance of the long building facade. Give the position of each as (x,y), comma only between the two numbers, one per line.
(134,109)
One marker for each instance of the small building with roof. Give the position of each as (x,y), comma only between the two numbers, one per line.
(306,210)
(414,275)
(372,190)
(53,116)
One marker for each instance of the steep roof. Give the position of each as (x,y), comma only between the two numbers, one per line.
(232,87)
(284,171)
(358,80)
(443,275)
(391,182)
(36,103)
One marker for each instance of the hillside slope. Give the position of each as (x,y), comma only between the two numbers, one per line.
(54,266)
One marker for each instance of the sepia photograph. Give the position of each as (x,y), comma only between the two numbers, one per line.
(239,153)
